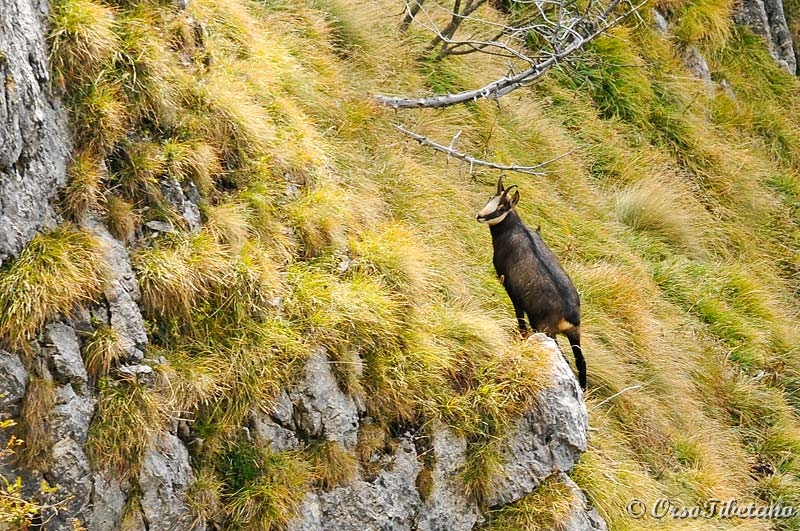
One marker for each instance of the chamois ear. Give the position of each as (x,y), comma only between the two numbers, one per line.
(515,199)
(500,185)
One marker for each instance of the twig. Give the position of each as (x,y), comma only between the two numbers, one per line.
(615,395)
(473,161)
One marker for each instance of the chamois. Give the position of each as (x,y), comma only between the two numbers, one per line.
(534,280)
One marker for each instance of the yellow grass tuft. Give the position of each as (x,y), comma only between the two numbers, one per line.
(320,218)
(99,116)
(705,22)
(228,224)
(548,507)
(128,415)
(54,274)
(40,397)
(176,272)
(84,191)
(102,351)
(82,40)
(331,464)
(121,218)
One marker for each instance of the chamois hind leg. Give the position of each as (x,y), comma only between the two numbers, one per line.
(574,336)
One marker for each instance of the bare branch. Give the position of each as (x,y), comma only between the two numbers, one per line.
(563,30)
(572,37)
(473,161)
(410,12)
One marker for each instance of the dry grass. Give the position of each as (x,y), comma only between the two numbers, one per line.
(548,507)
(128,415)
(177,272)
(654,207)
(40,397)
(82,40)
(121,218)
(101,351)
(54,274)
(84,191)
(331,464)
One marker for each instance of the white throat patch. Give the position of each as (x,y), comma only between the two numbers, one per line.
(498,219)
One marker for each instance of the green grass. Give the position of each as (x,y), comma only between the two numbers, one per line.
(547,508)
(262,489)
(82,40)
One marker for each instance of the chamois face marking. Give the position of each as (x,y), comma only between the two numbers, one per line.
(499,205)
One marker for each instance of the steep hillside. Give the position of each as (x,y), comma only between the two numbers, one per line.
(271,209)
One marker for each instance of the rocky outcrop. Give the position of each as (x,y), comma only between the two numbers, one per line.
(548,439)
(34,143)
(122,293)
(766,18)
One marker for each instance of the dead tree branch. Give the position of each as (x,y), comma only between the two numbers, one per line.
(450,151)
(558,27)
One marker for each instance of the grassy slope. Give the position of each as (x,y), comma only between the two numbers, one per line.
(676,216)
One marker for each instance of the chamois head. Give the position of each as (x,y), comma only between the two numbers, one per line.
(499,205)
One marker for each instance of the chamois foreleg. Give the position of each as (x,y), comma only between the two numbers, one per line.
(519,311)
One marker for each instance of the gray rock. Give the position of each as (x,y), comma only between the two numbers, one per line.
(321,408)
(549,438)
(277,437)
(13,382)
(173,193)
(282,411)
(122,294)
(766,18)
(163,480)
(581,518)
(108,502)
(660,23)
(67,363)
(310,512)
(389,503)
(34,141)
(697,64)
(143,374)
(447,509)
(72,475)
(71,415)
(160,226)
